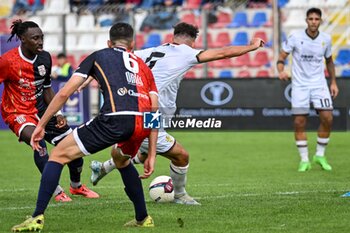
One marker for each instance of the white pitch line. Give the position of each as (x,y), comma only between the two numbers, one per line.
(199,198)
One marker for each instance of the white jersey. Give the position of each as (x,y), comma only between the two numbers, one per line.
(308,53)
(169,63)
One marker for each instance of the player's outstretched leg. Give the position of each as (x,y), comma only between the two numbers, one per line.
(178,172)
(76,187)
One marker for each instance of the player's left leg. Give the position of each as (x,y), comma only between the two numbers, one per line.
(324,130)
(65,152)
(322,102)
(133,186)
(55,135)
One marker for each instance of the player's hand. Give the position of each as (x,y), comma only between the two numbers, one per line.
(334,90)
(148,167)
(257,42)
(283,76)
(61,121)
(87,82)
(37,136)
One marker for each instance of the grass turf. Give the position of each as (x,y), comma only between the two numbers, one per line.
(246,182)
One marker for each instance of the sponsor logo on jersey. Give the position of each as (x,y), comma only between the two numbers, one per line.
(217,93)
(42,70)
(151,120)
(124,91)
(133,79)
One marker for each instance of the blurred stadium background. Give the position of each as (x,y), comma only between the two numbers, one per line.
(78,27)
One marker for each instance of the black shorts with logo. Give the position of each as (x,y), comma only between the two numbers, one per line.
(104,131)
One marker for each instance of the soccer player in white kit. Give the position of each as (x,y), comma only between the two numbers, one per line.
(169,63)
(308,48)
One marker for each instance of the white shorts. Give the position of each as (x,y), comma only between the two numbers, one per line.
(164,143)
(320,98)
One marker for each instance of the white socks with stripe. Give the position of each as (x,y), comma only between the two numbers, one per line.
(179,177)
(321,146)
(303,150)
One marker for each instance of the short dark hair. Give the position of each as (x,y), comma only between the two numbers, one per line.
(121,31)
(19,28)
(186,29)
(314,10)
(61,55)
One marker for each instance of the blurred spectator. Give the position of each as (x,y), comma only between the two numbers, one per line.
(20,7)
(63,70)
(78,6)
(36,5)
(164,17)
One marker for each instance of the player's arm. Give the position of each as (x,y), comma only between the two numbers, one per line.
(56,104)
(49,94)
(331,71)
(229,51)
(86,83)
(282,75)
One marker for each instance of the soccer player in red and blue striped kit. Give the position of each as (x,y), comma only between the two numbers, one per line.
(119,123)
(25,72)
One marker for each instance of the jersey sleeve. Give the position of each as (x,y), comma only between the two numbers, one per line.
(47,81)
(288,44)
(4,69)
(193,55)
(86,66)
(143,54)
(328,51)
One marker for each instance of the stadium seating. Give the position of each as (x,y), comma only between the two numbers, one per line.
(223,20)
(52,23)
(244,74)
(168,38)
(223,63)
(226,74)
(71,22)
(101,41)
(241,38)
(222,39)
(56,7)
(243,60)
(86,42)
(199,41)
(71,42)
(153,40)
(192,4)
(261,34)
(239,20)
(343,57)
(86,23)
(345,73)
(36,19)
(140,40)
(263,74)
(190,75)
(260,59)
(259,19)
(189,18)
(52,43)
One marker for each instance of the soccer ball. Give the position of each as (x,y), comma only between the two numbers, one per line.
(161,189)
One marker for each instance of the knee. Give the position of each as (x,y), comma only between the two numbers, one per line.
(119,160)
(182,158)
(299,123)
(327,120)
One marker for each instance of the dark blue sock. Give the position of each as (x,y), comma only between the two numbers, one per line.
(41,158)
(75,169)
(49,181)
(133,188)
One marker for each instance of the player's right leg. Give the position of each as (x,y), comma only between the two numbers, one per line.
(65,152)
(24,130)
(300,110)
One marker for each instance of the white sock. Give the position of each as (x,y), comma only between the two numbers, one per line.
(58,190)
(75,185)
(179,177)
(136,160)
(303,150)
(108,166)
(321,146)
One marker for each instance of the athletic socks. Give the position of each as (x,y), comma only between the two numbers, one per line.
(133,188)
(321,146)
(108,166)
(75,169)
(179,177)
(303,150)
(41,157)
(48,184)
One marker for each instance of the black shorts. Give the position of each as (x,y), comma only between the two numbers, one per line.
(104,131)
(54,135)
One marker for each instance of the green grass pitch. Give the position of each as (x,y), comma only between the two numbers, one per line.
(246,182)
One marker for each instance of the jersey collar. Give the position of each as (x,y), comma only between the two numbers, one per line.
(120,48)
(313,38)
(24,57)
